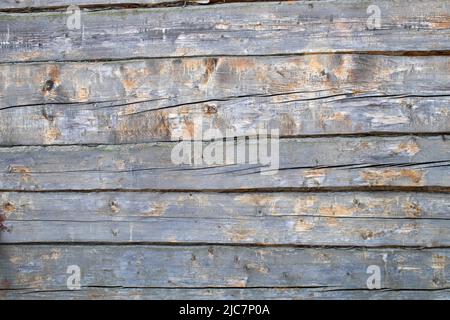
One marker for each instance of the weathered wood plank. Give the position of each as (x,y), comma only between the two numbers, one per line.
(235,29)
(303,163)
(44,267)
(119,206)
(267,231)
(225,294)
(350,219)
(41,4)
(156,100)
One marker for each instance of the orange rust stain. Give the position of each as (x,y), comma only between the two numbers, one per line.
(386,176)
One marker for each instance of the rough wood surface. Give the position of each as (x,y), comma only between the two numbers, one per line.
(138,267)
(48,4)
(332,162)
(229,29)
(302,219)
(89,118)
(227,294)
(156,100)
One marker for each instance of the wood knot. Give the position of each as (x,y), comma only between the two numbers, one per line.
(48,85)
(210,109)
(114,205)
(8,207)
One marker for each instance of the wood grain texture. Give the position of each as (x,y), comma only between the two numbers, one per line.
(231,29)
(226,294)
(89,118)
(44,267)
(46,4)
(320,219)
(334,162)
(156,100)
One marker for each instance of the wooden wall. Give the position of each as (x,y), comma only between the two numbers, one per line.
(87,124)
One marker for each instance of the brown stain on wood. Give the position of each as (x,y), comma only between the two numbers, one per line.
(241,233)
(8,207)
(52,134)
(54,72)
(25,172)
(240,65)
(303,226)
(157,209)
(338,210)
(410,147)
(369,234)
(412,209)
(315,177)
(388,176)
(142,126)
(3,227)
(210,67)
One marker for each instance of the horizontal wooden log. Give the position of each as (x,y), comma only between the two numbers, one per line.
(234,29)
(225,294)
(411,162)
(45,267)
(47,4)
(156,100)
(336,219)
(136,206)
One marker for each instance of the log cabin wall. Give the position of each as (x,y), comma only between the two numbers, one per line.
(95,95)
